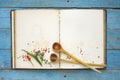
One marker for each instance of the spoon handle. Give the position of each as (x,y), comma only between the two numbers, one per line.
(101,65)
(78,60)
(92,64)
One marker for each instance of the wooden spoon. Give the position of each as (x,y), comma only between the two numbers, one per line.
(58,48)
(55,58)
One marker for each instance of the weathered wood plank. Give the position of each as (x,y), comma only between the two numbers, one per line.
(5,12)
(112,59)
(113,29)
(5,17)
(5,59)
(113,34)
(5,39)
(4,22)
(61,3)
(113,41)
(113,19)
(113,44)
(59,75)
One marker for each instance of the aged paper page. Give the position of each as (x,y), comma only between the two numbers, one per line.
(82,34)
(35,30)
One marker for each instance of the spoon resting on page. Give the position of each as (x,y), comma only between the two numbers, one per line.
(58,48)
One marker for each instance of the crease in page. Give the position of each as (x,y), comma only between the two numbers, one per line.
(59,35)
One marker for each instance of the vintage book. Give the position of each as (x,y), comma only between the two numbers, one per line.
(80,32)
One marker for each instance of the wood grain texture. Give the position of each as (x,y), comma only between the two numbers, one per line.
(113,29)
(5,22)
(113,59)
(59,75)
(112,72)
(113,19)
(5,39)
(61,3)
(5,59)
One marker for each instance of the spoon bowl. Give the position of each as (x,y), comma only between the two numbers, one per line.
(57,47)
(53,57)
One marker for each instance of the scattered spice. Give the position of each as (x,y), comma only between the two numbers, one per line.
(73,65)
(45,50)
(97,47)
(48,50)
(92,61)
(34,50)
(68,57)
(98,56)
(38,56)
(32,41)
(18,57)
(28,58)
(27,43)
(81,51)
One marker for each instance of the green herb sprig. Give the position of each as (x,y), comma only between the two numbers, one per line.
(38,56)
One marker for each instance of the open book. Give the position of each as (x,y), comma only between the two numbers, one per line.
(80,31)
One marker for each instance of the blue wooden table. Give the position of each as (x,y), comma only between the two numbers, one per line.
(112,72)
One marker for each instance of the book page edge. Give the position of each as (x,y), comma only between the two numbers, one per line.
(13,39)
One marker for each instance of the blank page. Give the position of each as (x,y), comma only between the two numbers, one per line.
(82,34)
